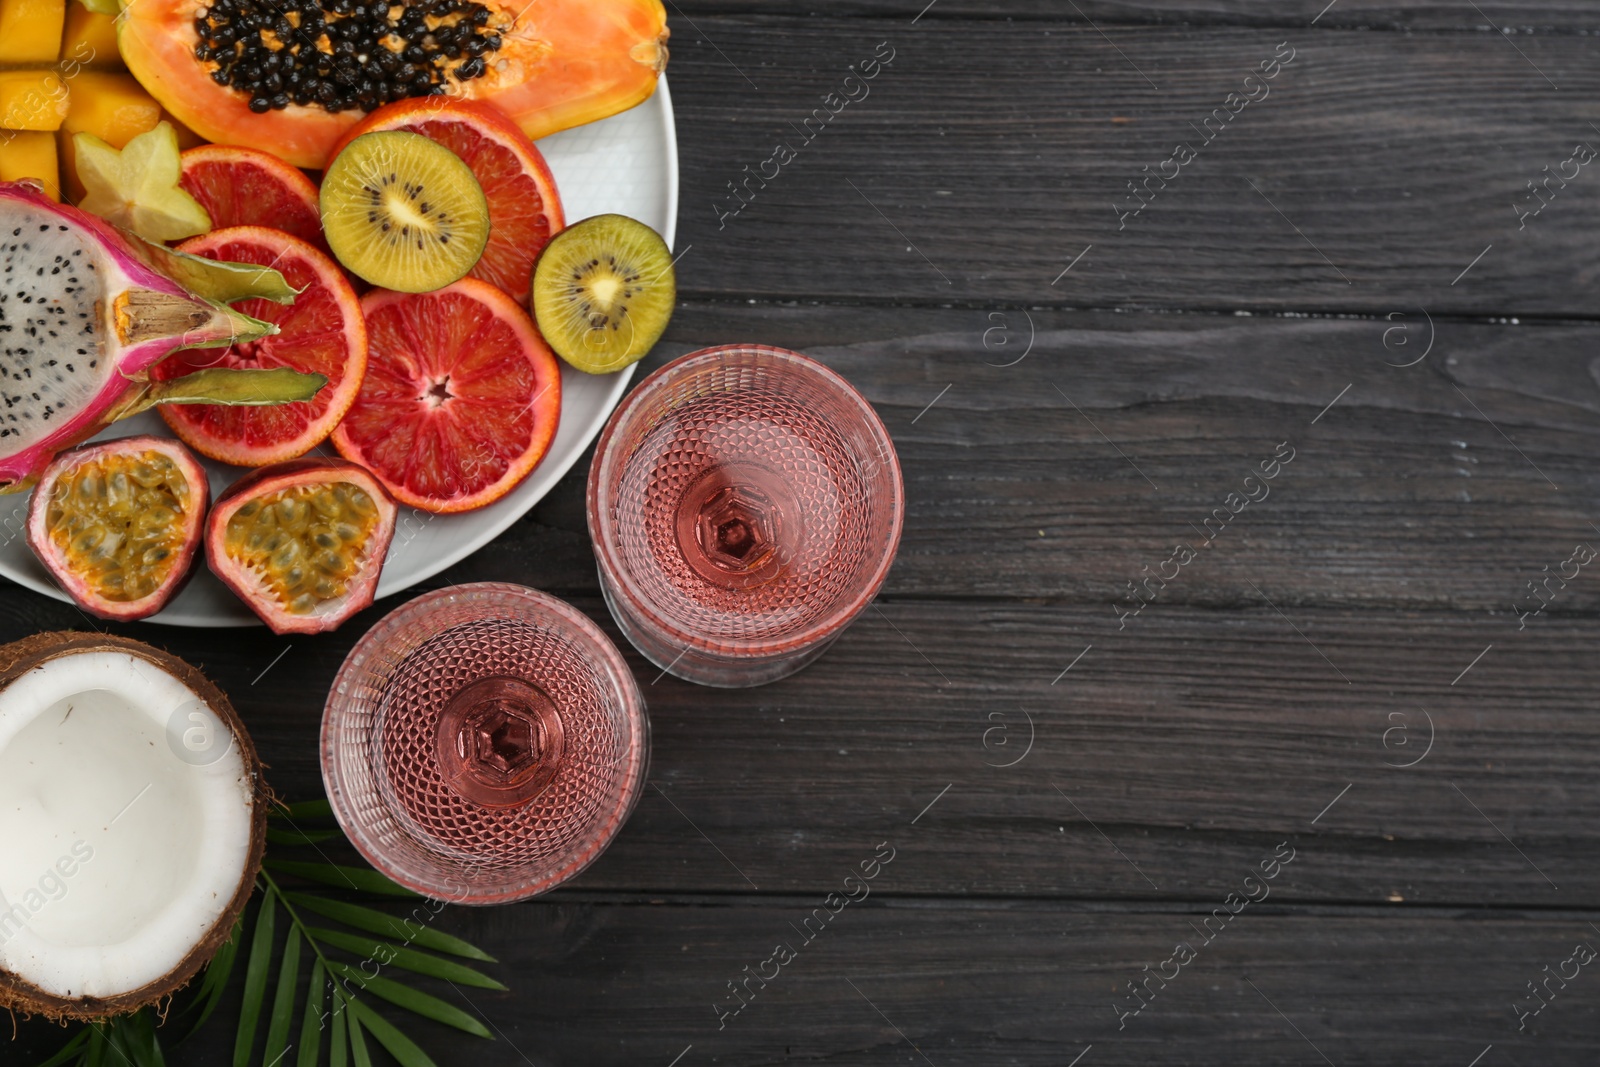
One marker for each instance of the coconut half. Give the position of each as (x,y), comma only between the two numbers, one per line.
(132,822)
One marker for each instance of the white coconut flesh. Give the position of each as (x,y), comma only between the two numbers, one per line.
(119,847)
(53,282)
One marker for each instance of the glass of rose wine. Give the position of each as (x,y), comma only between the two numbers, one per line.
(745,504)
(484,743)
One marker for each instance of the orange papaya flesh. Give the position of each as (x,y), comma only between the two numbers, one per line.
(561,63)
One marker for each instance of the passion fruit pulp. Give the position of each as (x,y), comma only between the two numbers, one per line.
(117,524)
(302,543)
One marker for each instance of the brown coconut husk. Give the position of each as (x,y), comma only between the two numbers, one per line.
(19,995)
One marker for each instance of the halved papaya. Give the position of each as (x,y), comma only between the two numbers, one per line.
(551,64)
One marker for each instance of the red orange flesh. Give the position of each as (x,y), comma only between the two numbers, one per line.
(248,187)
(461,399)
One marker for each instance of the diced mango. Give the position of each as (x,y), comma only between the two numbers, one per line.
(89,40)
(30,30)
(113,107)
(30,154)
(187,138)
(32,100)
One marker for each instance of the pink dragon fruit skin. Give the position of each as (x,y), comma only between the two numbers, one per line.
(82,319)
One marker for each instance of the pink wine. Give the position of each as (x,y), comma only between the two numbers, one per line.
(497,738)
(750,509)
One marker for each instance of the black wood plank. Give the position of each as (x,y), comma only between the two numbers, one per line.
(1423,487)
(908,982)
(988,156)
(1209,717)
(1541,16)
(1189,735)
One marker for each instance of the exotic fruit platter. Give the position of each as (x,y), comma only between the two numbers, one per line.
(304,302)
(300,303)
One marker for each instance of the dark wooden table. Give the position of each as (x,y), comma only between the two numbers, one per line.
(1116,669)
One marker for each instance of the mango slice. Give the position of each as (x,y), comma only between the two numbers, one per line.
(30,31)
(32,100)
(30,155)
(112,107)
(89,40)
(187,138)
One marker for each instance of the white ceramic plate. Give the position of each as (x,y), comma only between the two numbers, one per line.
(626,164)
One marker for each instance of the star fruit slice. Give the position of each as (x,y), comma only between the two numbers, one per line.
(137,187)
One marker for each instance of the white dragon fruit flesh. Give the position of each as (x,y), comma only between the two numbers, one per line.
(84,314)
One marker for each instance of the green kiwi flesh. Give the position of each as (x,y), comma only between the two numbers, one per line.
(603,292)
(403,212)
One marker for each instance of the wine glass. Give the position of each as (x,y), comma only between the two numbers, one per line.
(745,505)
(484,743)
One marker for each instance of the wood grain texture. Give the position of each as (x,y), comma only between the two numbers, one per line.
(1191,737)
(1183,745)
(1421,488)
(1541,16)
(901,982)
(990,154)
(1071,792)
(1400,540)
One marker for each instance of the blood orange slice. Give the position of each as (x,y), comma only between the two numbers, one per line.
(246,187)
(524,208)
(322,332)
(461,398)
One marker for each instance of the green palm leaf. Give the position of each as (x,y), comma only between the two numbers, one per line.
(131,1040)
(364,879)
(97,1046)
(406,958)
(215,981)
(302,810)
(283,1000)
(72,1050)
(358,1044)
(311,1028)
(401,1047)
(138,1032)
(255,980)
(278,836)
(338,1043)
(377,922)
(401,995)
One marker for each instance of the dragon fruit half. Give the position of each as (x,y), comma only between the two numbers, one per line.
(86,309)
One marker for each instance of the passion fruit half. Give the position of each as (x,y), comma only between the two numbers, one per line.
(117,523)
(302,542)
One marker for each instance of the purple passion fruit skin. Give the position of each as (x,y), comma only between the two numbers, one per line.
(118,524)
(302,543)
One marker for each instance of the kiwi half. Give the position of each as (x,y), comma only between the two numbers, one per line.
(603,291)
(403,212)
